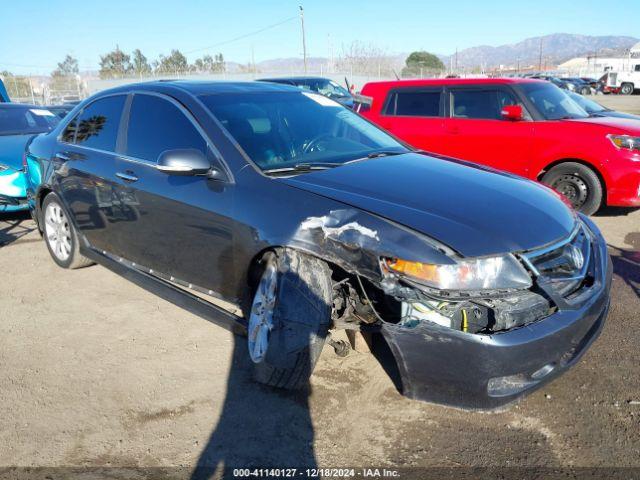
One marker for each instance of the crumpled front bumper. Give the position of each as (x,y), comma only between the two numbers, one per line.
(13,191)
(442,365)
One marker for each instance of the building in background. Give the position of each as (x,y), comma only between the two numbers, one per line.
(595,66)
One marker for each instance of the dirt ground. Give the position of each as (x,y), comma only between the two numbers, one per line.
(95,371)
(629,104)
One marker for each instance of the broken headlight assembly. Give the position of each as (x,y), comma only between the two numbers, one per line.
(502,272)
(479,295)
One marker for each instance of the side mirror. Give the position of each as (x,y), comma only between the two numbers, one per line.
(512,112)
(183,162)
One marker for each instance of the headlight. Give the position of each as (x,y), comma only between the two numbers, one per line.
(625,142)
(488,273)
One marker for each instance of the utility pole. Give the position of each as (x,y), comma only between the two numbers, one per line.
(304,43)
(253,60)
(456,60)
(540,56)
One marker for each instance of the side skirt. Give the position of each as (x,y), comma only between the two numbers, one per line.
(171,293)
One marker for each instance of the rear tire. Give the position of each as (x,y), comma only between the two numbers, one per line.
(578,183)
(291,338)
(60,235)
(626,89)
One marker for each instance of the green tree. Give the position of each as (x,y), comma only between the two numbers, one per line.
(64,80)
(176,63)
(68,67)
(115,64)
(209,64)
(422,63)
(140,63)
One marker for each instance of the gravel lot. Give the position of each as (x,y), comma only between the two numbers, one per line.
(629,104)
(97,372)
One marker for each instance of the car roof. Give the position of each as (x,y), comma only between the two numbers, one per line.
(21,105)
(293,79)
(423,82)
(200,87)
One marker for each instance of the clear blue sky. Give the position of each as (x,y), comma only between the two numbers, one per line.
(36,34)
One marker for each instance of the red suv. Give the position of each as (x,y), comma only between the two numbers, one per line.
(528,127)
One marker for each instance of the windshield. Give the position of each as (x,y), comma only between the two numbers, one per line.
(325,87)
(589,106)
(551,102)
(25,120)
(284,129)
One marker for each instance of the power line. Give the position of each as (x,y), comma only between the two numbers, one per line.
(241,37)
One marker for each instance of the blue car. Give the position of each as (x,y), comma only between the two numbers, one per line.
(321,85)
(4,96)
(18,124)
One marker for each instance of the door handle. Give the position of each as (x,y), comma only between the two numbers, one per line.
(453,130)
(127,176)
(62,157)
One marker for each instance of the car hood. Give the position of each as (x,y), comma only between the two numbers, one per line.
(12,148)
(622,123)
(473,210)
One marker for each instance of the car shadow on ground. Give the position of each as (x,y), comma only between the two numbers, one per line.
(259,426)
(626,264)
(14,226)
(614,211)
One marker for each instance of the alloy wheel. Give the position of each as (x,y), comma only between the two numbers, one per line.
(261,318)
(57,231)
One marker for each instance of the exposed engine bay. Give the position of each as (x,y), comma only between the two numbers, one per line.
(357,301)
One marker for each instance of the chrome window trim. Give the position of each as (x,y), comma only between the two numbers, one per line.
(208,142)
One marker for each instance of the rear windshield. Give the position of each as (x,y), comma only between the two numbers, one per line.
(277,130)
(26,120)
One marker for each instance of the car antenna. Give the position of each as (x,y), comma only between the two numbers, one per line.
(394,72)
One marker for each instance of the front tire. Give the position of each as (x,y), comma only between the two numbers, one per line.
(578,183)
(60,234)
(289,318)
(626,89)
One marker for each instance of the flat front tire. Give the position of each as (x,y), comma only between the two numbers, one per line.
(289,318)
(60,234)
(578,183)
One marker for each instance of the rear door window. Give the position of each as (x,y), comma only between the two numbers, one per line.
(414,103)
(98,124)
(156,125)
(479,104)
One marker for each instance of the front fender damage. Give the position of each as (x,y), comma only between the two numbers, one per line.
(356,240)
(410,318)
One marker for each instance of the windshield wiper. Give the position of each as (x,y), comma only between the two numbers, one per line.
(378,154)
(384,153)
(301,167)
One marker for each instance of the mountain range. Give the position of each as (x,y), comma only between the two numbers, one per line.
(556,48)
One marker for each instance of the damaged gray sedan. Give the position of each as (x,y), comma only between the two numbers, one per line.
(305,219)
